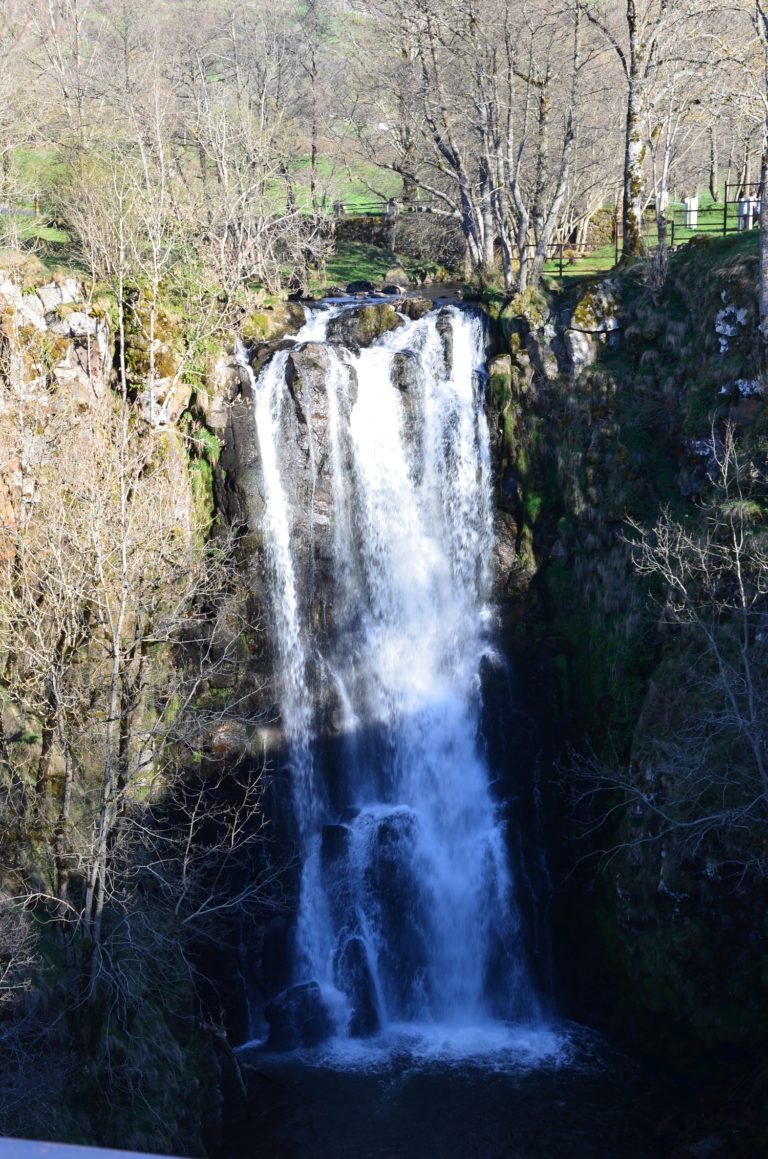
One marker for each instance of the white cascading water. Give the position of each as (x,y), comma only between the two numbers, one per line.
(407,910)
(269,398)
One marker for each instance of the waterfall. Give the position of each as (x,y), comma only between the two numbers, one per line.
(269,399)
(408,909)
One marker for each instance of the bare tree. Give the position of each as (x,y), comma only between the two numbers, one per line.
(67,33)
(112,625)
(484,122)
(701,771)
(236,115)
(761,24)
(652,35)
(19,958)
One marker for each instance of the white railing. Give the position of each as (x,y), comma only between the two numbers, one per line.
(28,1149)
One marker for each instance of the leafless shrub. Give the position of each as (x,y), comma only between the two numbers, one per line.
(699,766)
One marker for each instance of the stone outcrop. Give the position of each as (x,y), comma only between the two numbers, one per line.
(298,1017)
(614,399)
(415,308)
(52,340)
(56,331)
(594,320)
(305,472)
(363,326)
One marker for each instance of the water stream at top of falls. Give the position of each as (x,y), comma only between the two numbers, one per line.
(408,911)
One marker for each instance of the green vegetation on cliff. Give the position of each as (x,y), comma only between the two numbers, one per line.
(638,437)
(122,640)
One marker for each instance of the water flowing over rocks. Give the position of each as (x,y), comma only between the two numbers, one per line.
(365,483)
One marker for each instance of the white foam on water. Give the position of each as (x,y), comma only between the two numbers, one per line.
(495,1047)
(425,879)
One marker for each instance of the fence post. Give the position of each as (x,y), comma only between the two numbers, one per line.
(561,259)
(725,209)
(672,234)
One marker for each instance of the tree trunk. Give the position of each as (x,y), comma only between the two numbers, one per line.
(50,722)
(634,181)
(634,148)
(62,864)
(522,249)
(46,755)
(548,226)
(745,171)
(714,186)
(314,147)
(763,262)
(761,24)
(488,269)
(540,181)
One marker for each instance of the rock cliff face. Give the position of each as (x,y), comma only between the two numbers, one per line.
(73,337)
(50,340)
(306,472)
(600,406)
(324,485)
(613,403)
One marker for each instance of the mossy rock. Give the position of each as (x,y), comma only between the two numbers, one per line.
(256,327)
(500,380)
(363,326)
(168,337)
(271,323)
(530,305)
(415,308)
(596,309)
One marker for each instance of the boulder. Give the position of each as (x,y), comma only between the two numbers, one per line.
(224,381)
(405,370)
(54,294)
(306,374)
(334,846)
(415,308)
(363,326)
(298,1017)
(396,276)
(80,375)
(228,740)
(594,320)
(360,287)
(445,330)
(509,491)
(334,857)
(354,978)
(542,347)
(27,308)
(263,351)
(78,324)
(164,405)
(403,920)
(500,368)
(270,323)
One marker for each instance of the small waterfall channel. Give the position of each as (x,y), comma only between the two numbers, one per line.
(408,915)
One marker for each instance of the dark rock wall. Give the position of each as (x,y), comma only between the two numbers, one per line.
(602,402)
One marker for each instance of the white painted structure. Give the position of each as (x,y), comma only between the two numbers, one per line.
(691,212)
(29,1149)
